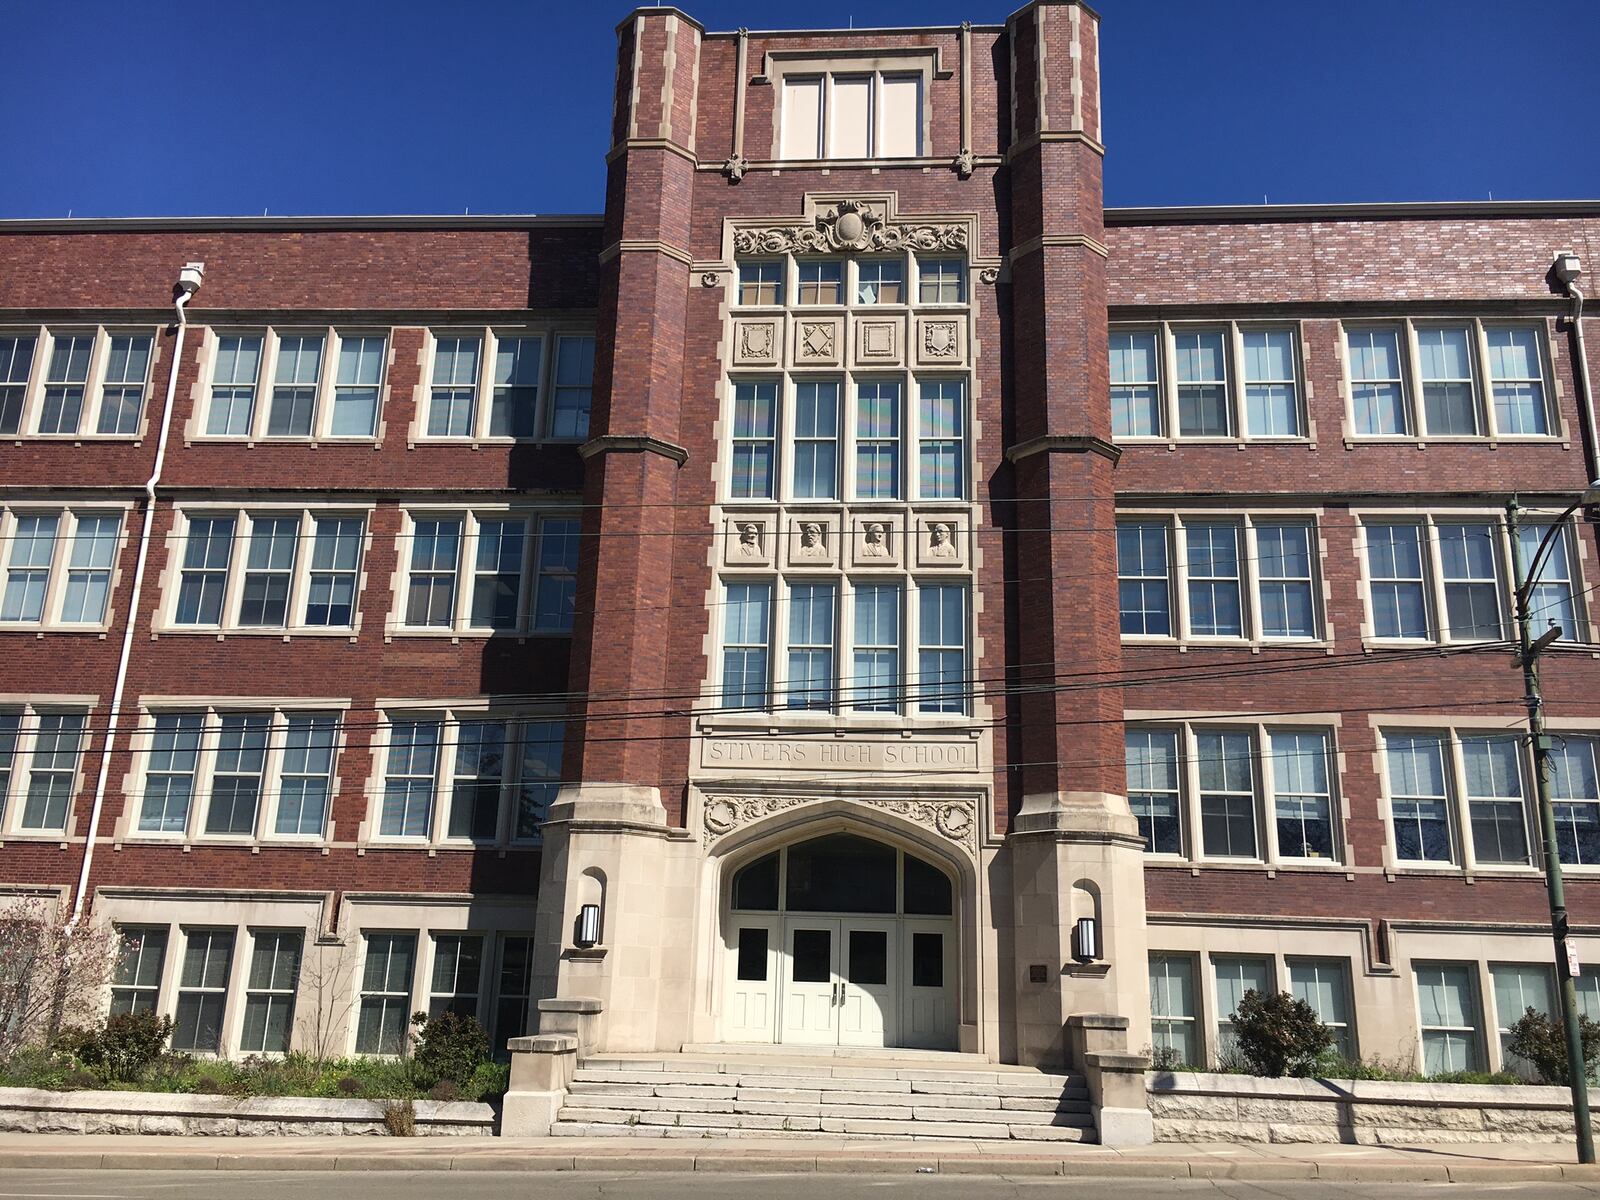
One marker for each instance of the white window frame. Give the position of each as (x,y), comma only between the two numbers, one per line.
(472,520)
(272,993)
(14,788)
(1434,582)
(490,337)
(1477,1029)
(1458,803)
(516,718)
(1265,783)
(94,380)
(238,567)
(60,566)
(1233,383)
(1411,383)
(1250,581)
(266,381)
(874,66)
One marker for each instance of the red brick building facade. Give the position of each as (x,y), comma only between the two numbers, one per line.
(780,563)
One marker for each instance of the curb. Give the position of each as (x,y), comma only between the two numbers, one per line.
(1246,1171)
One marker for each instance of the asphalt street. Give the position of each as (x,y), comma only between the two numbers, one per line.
(545,1185)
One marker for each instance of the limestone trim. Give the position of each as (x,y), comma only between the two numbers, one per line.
(1032,140)
(645,246)
(1051,240)
(953,819)
(852,222)
(1068,443)
(632,444)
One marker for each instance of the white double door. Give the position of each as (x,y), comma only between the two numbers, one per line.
(838,981)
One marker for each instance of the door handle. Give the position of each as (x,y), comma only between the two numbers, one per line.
(838,994)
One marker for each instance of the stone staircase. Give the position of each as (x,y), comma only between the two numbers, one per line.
(683,1095)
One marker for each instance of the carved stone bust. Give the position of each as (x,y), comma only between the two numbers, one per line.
(941,540)
(874,540)
(749,539)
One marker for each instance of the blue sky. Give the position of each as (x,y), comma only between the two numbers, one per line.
(355,106)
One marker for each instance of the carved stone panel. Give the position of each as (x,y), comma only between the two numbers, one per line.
(818,341)
(879,341)
(942,540)
(941,342)
(749,540)
(757,341)
(875,540)
(813,540)
(851,226)
(953,820)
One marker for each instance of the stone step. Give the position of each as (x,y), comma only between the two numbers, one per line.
(769,1082)
(858,1130)
(825,1069)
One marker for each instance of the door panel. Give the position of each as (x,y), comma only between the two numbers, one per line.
(866,1016)
(809,1012)
(929,987)
(753,983)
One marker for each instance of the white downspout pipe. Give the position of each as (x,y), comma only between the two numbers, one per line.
(1568,269)
(188,284)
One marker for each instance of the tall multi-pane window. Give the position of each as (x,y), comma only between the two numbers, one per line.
(816,441)
(431,587)
(335,557)
(480,764)
(236,777)
(16,364)
(1215,603)
(33,547)
(877,647)
(1377,380)
(556,589)
(878,440)
(941,280)
(203,990)
(1497,807)
(94,549)
(203,579)
(1202,375)
(1283,579)
(1324,984)
(514,406)
(1448,1004)
(1467,561)
(1144,594)
(1237,976)
(269,991)
(1271,406)
(574,386)
(355,391)
(1516,380)
(457,971)
(1135,384)
(233,386)
(746,645)
(10,727)
(941,440)
(408,781)
(65,381)
(1553,596)
(452,402)
(1399,595)
(1518,988)
(1227,794)
(942,648)
(269,570)
(1153,788)
(1301,795)
(513,996)
(294,386)
(813,611)
(851,115)
(122,389)
(52,771)
(755,433)
(818,281)
(305,774)
(1449,407)
(385,1009)
(1575,788)
(880,281)
(169,782)
(497,574)
(540,777)
(1418,797)
(761,282)
(136,975)
(1172,1007)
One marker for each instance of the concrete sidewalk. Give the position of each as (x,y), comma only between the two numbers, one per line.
(1508,1162)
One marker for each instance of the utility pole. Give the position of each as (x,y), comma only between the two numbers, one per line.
(1566,958)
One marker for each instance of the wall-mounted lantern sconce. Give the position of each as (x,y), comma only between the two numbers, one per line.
(588,935)
(1086,940)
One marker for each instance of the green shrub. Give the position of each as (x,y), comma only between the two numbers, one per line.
(124,1047)
(444,1091)
(1279,1035)
(80,1080)
(448,1046)
(1540,1039)
(349,1086)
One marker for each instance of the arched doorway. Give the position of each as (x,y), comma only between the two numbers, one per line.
(840,940)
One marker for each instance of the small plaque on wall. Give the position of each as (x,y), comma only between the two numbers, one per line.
(1038,973)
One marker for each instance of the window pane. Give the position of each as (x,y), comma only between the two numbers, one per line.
(1375,380)
(812,608)
(877,650)
(850,117)
(1235,977)
(1575,787)
(1419,804)
(1227,794)
(1152,765)
(1468,562)
(1144,597)
(1448,405)
(878,441)
(1272,408)
(942,655)
(1202,384)
(574,387)
(1517,374)
(802,118)
(745,645)
(1394,563)
(170,773)
(1449,1019)
(1215,608)
(1135,394)
(1172,1008)
(816,445)
(1301,798)
(755,430)
(33,544)
(1324,984)
(1283,568)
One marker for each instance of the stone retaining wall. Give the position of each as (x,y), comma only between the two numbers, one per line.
(32,1110)
(1200,1107)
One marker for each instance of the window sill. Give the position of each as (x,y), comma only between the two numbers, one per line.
(1307,865)
(71,439)
(228,631)
(756,721)
(1202,643)
(1476,439)
(39,627)
(476,443)
(457,635)
(1173,443)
